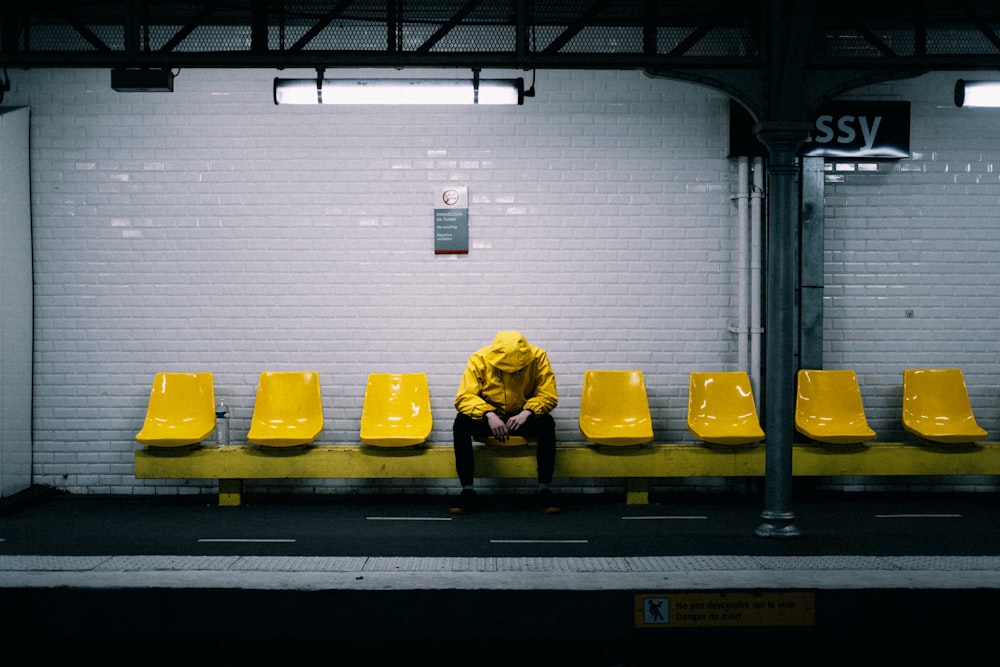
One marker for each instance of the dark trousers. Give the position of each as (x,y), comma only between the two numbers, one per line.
(541,427)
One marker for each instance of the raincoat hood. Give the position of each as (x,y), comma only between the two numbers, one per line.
(510,352)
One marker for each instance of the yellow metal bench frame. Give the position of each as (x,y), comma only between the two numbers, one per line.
(637,465)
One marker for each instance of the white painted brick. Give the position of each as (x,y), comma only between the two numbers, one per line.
(210,230)
(929,248)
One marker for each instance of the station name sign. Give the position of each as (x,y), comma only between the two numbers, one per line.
(851,129)
(860,129)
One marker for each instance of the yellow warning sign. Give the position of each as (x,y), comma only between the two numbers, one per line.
(725,609)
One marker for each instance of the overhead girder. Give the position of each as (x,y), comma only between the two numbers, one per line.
(740,47)
(602,34)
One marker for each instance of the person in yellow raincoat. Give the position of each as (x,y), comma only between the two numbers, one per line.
(508,388)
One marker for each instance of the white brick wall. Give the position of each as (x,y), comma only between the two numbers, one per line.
(920,234)
(209,229)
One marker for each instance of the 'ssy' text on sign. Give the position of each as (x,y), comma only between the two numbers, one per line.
(860,129)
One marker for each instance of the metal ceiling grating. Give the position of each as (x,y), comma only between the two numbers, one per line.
(515,33)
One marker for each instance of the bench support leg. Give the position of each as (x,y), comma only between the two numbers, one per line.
(230,492)
(636,491)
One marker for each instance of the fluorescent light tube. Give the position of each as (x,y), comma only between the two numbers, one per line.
(398,91)
(977,93)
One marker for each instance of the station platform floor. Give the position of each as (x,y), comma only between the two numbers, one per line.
(391,578)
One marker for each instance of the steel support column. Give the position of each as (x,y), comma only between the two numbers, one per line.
(782,139)
(811,267)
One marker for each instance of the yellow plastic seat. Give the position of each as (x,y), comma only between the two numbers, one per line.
(614,408)
(936,406)
(180,412)
(721,408)
(397,410)
(288,410)
(828,407)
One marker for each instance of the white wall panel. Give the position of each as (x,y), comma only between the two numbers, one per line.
(209,229)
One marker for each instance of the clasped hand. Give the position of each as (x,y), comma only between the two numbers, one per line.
(501,429)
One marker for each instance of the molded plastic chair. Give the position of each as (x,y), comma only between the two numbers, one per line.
(936,406)
(828,407)
(721,408)
(288,410)
(181,410)
(614,408)
(397,410)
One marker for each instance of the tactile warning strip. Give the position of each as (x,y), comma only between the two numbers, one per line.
(708,563)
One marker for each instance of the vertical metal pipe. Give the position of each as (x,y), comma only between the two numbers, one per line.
(521,30)
(131,29)
(756,204)
(258,26)
(811,265)
(743,266)
(394,26)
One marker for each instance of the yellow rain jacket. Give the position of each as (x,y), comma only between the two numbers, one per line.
(506,377)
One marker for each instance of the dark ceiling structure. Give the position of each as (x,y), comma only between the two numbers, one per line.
(592,34)
(729,44)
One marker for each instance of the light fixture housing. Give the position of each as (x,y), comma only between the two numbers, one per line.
(399,91)
(142,80)
(977,93)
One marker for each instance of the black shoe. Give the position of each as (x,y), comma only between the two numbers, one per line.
(467,502)
(547,502)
